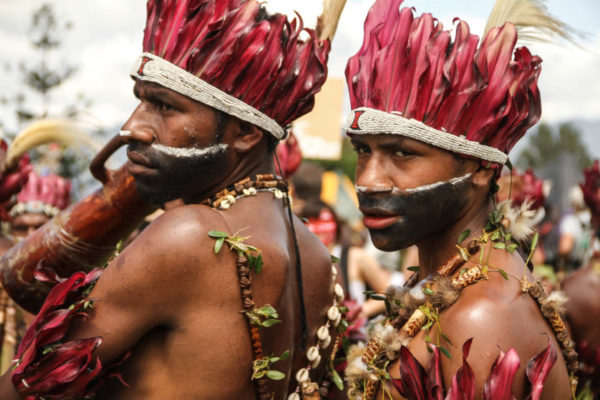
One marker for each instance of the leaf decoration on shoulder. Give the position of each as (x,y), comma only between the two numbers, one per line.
(237,244)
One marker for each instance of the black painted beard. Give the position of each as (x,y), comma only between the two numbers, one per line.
(176,175)
(423,213)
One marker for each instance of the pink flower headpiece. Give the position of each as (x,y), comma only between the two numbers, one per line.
(43,194)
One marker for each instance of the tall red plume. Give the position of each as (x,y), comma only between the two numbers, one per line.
(232,45)
(409,65)
(591,191)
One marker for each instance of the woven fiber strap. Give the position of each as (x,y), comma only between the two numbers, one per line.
(151,68)
(366,120)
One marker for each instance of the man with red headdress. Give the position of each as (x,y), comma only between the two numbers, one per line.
(41,198)
(215,299)
(434,117)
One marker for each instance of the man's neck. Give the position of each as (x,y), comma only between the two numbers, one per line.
(436,251)
(264,166)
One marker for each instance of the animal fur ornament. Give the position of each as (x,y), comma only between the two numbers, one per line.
(519,221)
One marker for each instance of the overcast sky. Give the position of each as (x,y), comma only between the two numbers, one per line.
(107,34)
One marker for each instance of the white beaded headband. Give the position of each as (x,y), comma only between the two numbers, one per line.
(366,120)
(151,68)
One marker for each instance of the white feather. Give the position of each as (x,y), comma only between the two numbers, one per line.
(531,19)
(520,219)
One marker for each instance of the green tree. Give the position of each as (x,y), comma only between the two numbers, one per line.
(40,77)
(546,145)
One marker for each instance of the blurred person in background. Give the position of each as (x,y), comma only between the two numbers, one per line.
(40,199)
(360,270)
(575,233)
(526,188)
(583,291)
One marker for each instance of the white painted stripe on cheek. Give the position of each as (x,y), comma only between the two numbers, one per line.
(367,189)
(452,181)
(395,190)
(190,152)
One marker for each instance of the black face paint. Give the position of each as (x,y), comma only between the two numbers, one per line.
(174,173)
(423,212)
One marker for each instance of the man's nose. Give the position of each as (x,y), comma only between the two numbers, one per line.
(137,129)
(371,176)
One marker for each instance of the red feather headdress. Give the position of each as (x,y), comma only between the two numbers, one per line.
(469,97)
(225,54)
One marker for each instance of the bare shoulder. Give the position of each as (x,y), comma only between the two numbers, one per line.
(166,256)
(312,246)
(499,316)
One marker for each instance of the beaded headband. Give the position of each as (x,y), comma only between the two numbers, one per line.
(151,68)
(364,120)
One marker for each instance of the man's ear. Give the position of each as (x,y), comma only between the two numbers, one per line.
(482,177)
(248,137)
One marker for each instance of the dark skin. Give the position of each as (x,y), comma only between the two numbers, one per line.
(174,302)
(24,224)
(494,312)
(583,307)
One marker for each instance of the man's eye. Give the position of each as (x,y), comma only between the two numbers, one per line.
(359,149)
(165,107)
(402,153)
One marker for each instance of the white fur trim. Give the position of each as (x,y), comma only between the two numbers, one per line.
(365,120)
(158,70)
(557,299)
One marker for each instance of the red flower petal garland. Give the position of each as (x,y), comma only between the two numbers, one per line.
(46,366)
(415,384)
